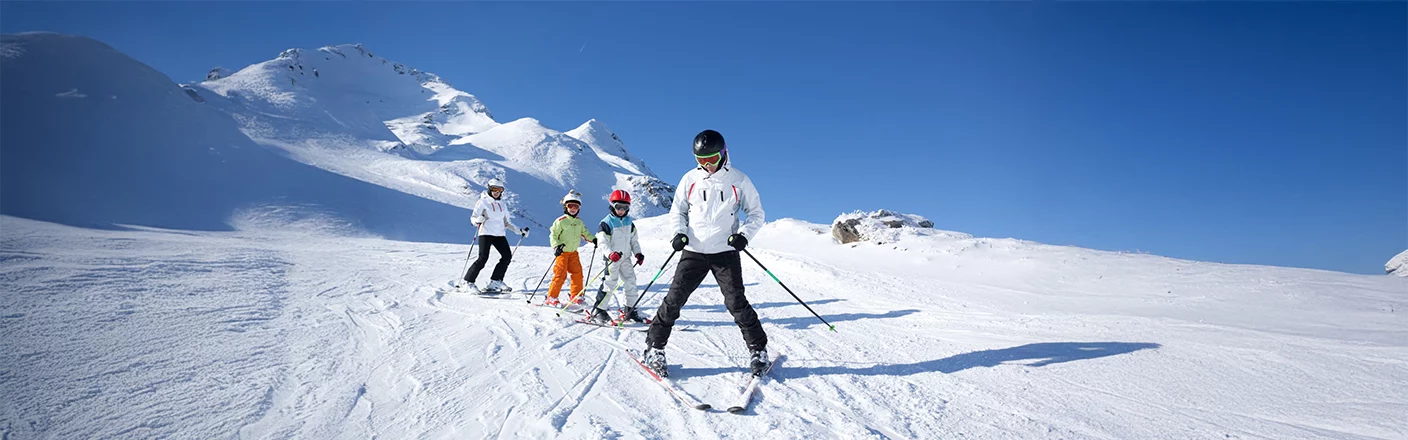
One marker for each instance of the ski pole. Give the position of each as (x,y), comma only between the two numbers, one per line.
(571,298)
(789,291)
(591,261)
(540,280)
(465,271)
(652,280)
(515,246)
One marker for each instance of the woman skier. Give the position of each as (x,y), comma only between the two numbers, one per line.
(491,218)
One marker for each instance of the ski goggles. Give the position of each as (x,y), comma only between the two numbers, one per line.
(711,160)
(573,205)
(496,188)
(621,206)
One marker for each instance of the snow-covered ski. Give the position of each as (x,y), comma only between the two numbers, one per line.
(747,396)
(667,383)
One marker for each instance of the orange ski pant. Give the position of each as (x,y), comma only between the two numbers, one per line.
(566,263)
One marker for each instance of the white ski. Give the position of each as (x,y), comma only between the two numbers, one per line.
(747,396)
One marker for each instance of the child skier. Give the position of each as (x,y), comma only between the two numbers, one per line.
(618,234)
(565,236)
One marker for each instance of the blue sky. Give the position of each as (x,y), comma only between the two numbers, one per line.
(1241,132)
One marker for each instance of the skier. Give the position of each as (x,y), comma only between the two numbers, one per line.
(618,234)
(709,236)
(564,237)
(491,218)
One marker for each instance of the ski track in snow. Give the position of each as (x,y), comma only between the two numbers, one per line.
(147,333)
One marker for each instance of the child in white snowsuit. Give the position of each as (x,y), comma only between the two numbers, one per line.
(618,234)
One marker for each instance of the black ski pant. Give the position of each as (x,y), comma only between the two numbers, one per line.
(500,243)
(728,272)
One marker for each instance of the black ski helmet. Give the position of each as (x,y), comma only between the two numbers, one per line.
(709,142)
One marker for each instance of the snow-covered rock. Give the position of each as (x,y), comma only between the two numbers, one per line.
(881,225)
(217,73)
(1398,265)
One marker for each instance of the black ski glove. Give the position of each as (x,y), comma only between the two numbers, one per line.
(738,241)
(679,241)
(557,251)
(640,259)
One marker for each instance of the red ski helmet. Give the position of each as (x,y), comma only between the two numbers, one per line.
(620,195)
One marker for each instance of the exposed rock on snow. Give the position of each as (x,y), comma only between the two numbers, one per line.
(863,226)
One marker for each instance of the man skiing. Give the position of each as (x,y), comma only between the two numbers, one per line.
(618,234)
(564,237)
(709,236)
(491,218)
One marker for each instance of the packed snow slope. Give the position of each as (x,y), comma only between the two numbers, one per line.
(347,110)
(152,333)
(92,137)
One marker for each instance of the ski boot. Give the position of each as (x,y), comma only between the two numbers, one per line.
(468,287)
(758,362)
(497,286)
(599,317)
(629,314)
(552,302)
(654,359)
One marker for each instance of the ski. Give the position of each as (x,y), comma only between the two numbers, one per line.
(631,327)
(668,384)
(588,321)
(453,287)
(747,396)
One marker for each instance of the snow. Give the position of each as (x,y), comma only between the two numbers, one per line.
(376,120)
(1398,265)
(279,334)
(173,268)
(157,157)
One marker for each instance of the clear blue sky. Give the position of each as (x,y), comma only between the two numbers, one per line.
(1246,132)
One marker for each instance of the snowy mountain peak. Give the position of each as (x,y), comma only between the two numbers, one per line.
(1398,265)
(609,146)
(347,110)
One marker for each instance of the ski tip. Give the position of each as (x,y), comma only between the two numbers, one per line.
(703,407)
(735,409)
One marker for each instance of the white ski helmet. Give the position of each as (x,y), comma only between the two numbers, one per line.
(495,183)
(572,196)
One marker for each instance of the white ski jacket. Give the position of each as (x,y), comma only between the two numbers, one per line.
(492,217)
(618,234)
(706,209)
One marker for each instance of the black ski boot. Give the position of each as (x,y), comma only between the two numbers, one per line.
(630,314)
(600,317)
(758,363)
(655,360)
